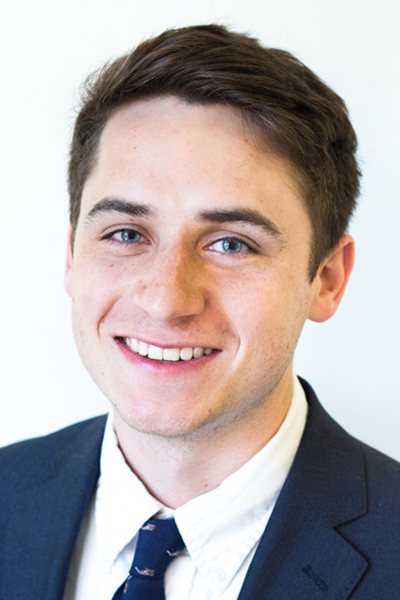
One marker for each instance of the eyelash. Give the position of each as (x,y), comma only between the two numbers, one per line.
(248,248)
(111,238)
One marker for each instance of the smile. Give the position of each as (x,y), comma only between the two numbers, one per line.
(166,354)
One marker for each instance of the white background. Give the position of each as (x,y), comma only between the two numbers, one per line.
(47,48)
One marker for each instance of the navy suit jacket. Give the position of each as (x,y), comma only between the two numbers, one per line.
(334,532)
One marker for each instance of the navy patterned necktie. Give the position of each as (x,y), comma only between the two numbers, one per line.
(158,544)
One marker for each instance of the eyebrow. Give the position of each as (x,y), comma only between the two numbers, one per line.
(120,206)
(241,215)
(238,215)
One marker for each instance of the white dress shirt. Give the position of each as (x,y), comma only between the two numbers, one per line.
(221,528)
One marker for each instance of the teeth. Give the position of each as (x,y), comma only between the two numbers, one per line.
(186,353)
(155,352)
(170,354)
(143,348)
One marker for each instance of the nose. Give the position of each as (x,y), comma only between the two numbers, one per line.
(173,288)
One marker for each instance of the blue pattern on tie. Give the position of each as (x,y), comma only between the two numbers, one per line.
(158,544)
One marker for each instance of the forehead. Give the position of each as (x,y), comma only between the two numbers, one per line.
(192,138)
(178,156)
(175,121)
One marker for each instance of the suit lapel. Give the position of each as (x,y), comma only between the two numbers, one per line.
(36,566)
(301,555)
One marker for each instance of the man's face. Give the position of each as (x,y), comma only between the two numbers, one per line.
(190,237)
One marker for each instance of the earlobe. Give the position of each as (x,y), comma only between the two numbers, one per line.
(331,280)
(69,265)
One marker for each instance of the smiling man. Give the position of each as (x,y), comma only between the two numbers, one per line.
(211,182)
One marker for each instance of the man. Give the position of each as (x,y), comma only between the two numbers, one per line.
(211,184)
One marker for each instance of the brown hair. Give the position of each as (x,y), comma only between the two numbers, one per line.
(290,108)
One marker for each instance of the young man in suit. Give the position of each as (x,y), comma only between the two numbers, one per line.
(211,184)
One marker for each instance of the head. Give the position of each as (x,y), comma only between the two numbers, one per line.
(290,111)
(211,183)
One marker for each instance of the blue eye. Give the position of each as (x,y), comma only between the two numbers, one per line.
(126,236)
(130,236)
(232,246)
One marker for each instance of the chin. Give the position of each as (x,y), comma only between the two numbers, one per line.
(167,424)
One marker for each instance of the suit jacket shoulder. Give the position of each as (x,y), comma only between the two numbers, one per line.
(25,461)
(45,487)
(335,530)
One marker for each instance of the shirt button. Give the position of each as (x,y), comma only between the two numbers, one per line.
(218,575)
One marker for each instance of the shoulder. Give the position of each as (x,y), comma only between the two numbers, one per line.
(382,476)
(333,463)
(379,466)
(30,459)
(355,487)
(325,431)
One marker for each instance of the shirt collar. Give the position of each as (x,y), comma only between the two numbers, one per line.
(219,527)
(122,502)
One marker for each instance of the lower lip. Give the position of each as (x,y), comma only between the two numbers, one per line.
(165,368)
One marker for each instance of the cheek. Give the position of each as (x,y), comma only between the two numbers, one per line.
(96,287)
(271,314)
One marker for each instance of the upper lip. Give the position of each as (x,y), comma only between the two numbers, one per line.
(180,345)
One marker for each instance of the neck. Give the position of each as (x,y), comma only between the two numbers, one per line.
(177,469)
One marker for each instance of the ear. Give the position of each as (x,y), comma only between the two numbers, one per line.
(69,264)
(331,280)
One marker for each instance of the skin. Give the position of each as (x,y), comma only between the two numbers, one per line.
(184,427)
